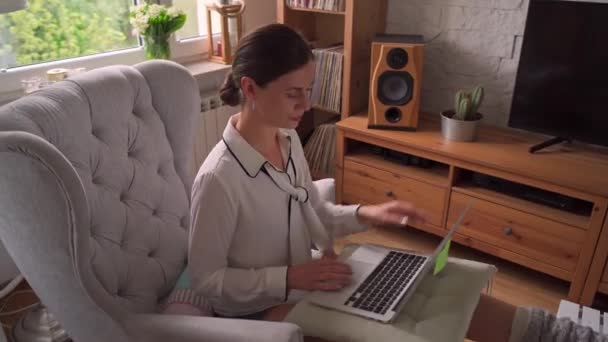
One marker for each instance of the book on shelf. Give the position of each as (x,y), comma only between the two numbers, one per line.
(320,150)
(327,88)
(323,5)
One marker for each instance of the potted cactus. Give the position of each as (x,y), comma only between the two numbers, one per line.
(461,123)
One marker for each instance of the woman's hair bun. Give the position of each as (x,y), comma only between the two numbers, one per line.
(230,92)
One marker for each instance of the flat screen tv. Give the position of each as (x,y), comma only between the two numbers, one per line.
(562,80)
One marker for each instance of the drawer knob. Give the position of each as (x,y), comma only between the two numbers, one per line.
(508,231)
(390,194)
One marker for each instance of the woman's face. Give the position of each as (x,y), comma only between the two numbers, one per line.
(282,102)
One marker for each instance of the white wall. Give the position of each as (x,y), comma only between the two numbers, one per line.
(476,42)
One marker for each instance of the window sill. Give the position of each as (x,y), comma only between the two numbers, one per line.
(202,68)
(10,80)
(209,76)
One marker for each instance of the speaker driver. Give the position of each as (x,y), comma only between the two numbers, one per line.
(395,88)
(393,115)
(397,58)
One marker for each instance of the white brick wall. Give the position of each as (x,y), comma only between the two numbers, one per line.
(476,42)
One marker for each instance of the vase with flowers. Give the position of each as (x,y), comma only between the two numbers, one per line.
(156,24)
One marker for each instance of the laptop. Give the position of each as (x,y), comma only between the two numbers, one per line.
(384,279)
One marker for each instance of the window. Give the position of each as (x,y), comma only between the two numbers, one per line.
(86,33)
(50,30)
(77,33)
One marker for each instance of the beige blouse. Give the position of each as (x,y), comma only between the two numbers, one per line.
(250,221)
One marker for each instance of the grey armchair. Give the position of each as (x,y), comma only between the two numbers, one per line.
(95,181)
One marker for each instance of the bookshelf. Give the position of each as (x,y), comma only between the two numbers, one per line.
(316,10)
(319,6)
(354,28)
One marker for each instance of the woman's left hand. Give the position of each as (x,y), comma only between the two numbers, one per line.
(393,213)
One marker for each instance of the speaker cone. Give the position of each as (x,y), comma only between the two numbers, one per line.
(395,88)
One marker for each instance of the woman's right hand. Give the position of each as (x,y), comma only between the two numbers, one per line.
(324,274)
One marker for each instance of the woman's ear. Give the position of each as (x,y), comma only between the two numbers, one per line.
(249,88)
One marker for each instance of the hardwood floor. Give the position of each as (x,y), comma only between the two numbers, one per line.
(21,297)
(513,283)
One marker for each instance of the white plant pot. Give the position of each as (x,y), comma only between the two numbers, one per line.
(459,130)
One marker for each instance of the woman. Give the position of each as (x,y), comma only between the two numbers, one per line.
(256,212)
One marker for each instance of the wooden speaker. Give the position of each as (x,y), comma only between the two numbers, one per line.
(395,81)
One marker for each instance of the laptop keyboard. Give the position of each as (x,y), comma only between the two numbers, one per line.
(381,287)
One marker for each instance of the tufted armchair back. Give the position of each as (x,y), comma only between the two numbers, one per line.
(127,133)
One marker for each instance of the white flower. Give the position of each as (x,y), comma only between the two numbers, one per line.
(140,23)
(174,12)
(155,10)
(138,10)
(142,20)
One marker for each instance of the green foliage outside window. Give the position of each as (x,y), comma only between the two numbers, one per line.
(56,29)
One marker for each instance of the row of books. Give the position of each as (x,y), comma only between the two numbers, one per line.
(327,5)
(320,151)
(327,89)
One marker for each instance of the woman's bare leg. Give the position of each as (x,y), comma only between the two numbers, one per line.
(278,314)
(492,320)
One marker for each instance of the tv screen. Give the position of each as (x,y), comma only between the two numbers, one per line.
(562,79)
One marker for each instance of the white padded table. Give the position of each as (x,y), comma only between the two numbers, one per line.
(439,311)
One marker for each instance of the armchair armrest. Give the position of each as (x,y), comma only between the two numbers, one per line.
(162,328)
(42,206)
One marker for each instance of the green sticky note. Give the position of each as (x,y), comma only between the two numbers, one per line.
(442,258)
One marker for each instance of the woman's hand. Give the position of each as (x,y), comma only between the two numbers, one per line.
(393,213)
(324,274)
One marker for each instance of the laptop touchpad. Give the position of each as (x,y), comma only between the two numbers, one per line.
(368,254)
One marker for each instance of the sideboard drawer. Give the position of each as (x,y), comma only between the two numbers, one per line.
(543,240)
(366,184)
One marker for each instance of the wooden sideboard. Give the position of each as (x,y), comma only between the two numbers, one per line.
(564,244)
(598,274)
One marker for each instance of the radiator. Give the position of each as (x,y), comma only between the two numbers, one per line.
(210,124)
